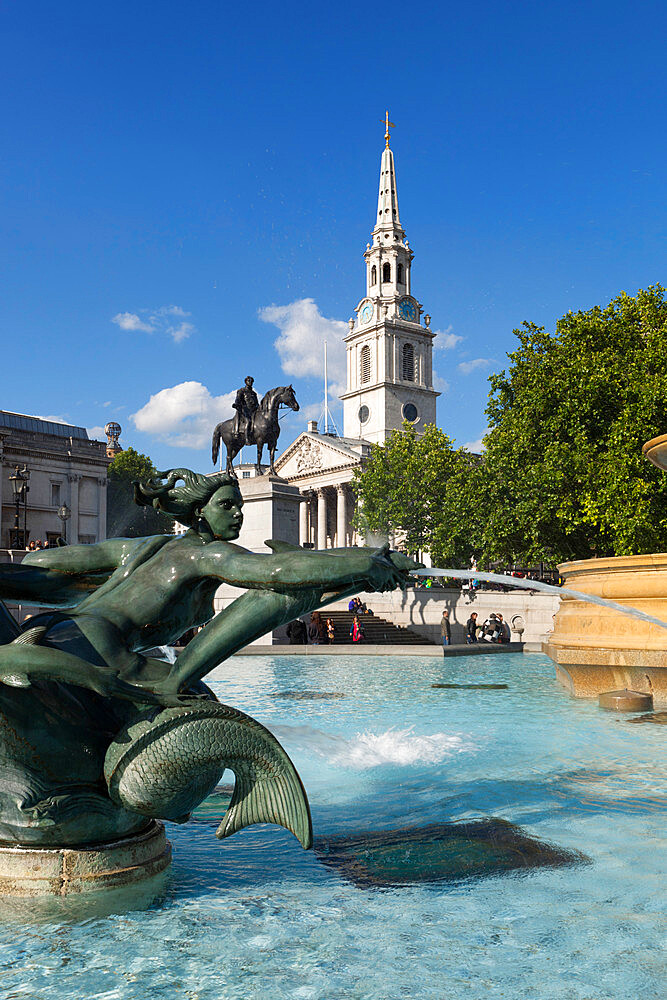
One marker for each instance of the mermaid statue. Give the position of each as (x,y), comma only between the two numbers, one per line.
(97,737)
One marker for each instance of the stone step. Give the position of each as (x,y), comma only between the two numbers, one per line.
(376,630)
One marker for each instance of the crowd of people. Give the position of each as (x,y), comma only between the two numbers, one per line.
(319,632)
(36,544)
(494,629)
(314,633)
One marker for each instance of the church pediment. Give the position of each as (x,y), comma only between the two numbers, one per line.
(311,455)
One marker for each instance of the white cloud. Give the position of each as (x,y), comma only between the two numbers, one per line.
(55,420)
(172,320)
(300,346)
(184,415)
(476,446)
(466,367)
(96,433)
(445,340)
(439,383)
(130,321)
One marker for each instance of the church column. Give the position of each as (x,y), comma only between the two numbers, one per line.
(304,535)
(341,516)
(321,519)
(73,525)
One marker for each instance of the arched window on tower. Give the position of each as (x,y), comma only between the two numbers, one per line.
(399,274)
(386,272)
(408,363)
(365,363)
(374,275)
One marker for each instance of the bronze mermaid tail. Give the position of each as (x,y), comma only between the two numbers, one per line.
(164,762)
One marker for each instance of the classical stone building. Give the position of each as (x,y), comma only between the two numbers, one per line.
(389,379)
(66,469)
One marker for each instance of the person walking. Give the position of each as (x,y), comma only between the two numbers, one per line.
(315,629)
(356,631)
(471,629)
(445,630)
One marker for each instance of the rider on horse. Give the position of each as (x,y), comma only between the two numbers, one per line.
(245,404)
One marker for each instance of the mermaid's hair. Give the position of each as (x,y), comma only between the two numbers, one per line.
(183,503)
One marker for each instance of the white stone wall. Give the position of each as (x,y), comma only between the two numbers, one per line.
(421,610)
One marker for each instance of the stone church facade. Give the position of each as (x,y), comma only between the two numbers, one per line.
(389,380)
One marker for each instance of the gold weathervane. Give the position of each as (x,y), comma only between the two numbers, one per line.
(387,126)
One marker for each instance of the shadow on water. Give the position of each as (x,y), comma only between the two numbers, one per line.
(472,687)
(657,718)
(436,853)
(307,695)
(440,853)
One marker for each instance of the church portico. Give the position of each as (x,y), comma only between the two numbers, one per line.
(325,520)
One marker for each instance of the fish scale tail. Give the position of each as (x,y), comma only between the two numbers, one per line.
(280,799)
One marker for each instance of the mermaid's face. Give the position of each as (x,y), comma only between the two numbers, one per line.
(223,513)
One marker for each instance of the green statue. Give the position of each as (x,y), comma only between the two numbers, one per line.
(96,737)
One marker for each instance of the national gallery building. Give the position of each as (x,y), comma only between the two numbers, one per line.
(63,489)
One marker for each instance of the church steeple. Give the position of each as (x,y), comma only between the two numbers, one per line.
(387,218)
(389,374)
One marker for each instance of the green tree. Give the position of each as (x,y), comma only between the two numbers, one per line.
(563,476)
(124,517)
(403,488)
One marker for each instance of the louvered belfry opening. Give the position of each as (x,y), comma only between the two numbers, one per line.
(408,363)
(365,363)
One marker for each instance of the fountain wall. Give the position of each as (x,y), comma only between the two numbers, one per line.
(596,649)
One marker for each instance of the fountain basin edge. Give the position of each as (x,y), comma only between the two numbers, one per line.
(596,649)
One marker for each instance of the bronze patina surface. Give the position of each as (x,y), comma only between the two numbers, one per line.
(98,738)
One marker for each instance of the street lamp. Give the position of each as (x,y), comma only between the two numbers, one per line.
(20,489)
(64,513)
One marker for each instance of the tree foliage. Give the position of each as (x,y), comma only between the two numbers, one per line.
(562,476)
(124,517)
(402,490)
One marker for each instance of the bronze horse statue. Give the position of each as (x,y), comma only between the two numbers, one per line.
(265,429)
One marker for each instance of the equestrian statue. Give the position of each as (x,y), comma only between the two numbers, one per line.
(255,422)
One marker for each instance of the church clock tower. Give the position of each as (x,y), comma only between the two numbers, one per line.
(389,351)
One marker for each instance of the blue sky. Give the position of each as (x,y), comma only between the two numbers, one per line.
(184,184)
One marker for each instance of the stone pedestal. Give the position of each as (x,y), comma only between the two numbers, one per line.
(270,510)
(27,872)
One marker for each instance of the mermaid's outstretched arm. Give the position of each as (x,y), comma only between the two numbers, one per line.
(260,610)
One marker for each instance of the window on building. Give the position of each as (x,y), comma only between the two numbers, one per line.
(86,539)
(386,272)
(365,363)
(374,275)
(408,363)
(55,494)
(399,274)
(245,474)
(52,539)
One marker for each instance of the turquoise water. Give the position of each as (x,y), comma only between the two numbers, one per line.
(257,917)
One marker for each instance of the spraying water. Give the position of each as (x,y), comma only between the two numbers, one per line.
(513,581)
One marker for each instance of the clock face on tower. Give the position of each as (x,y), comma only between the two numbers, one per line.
(407,309)
(366,313)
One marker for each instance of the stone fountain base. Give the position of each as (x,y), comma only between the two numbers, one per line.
(596,649)
(65,871)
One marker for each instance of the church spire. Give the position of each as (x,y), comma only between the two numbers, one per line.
(388,220)
(389,352)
